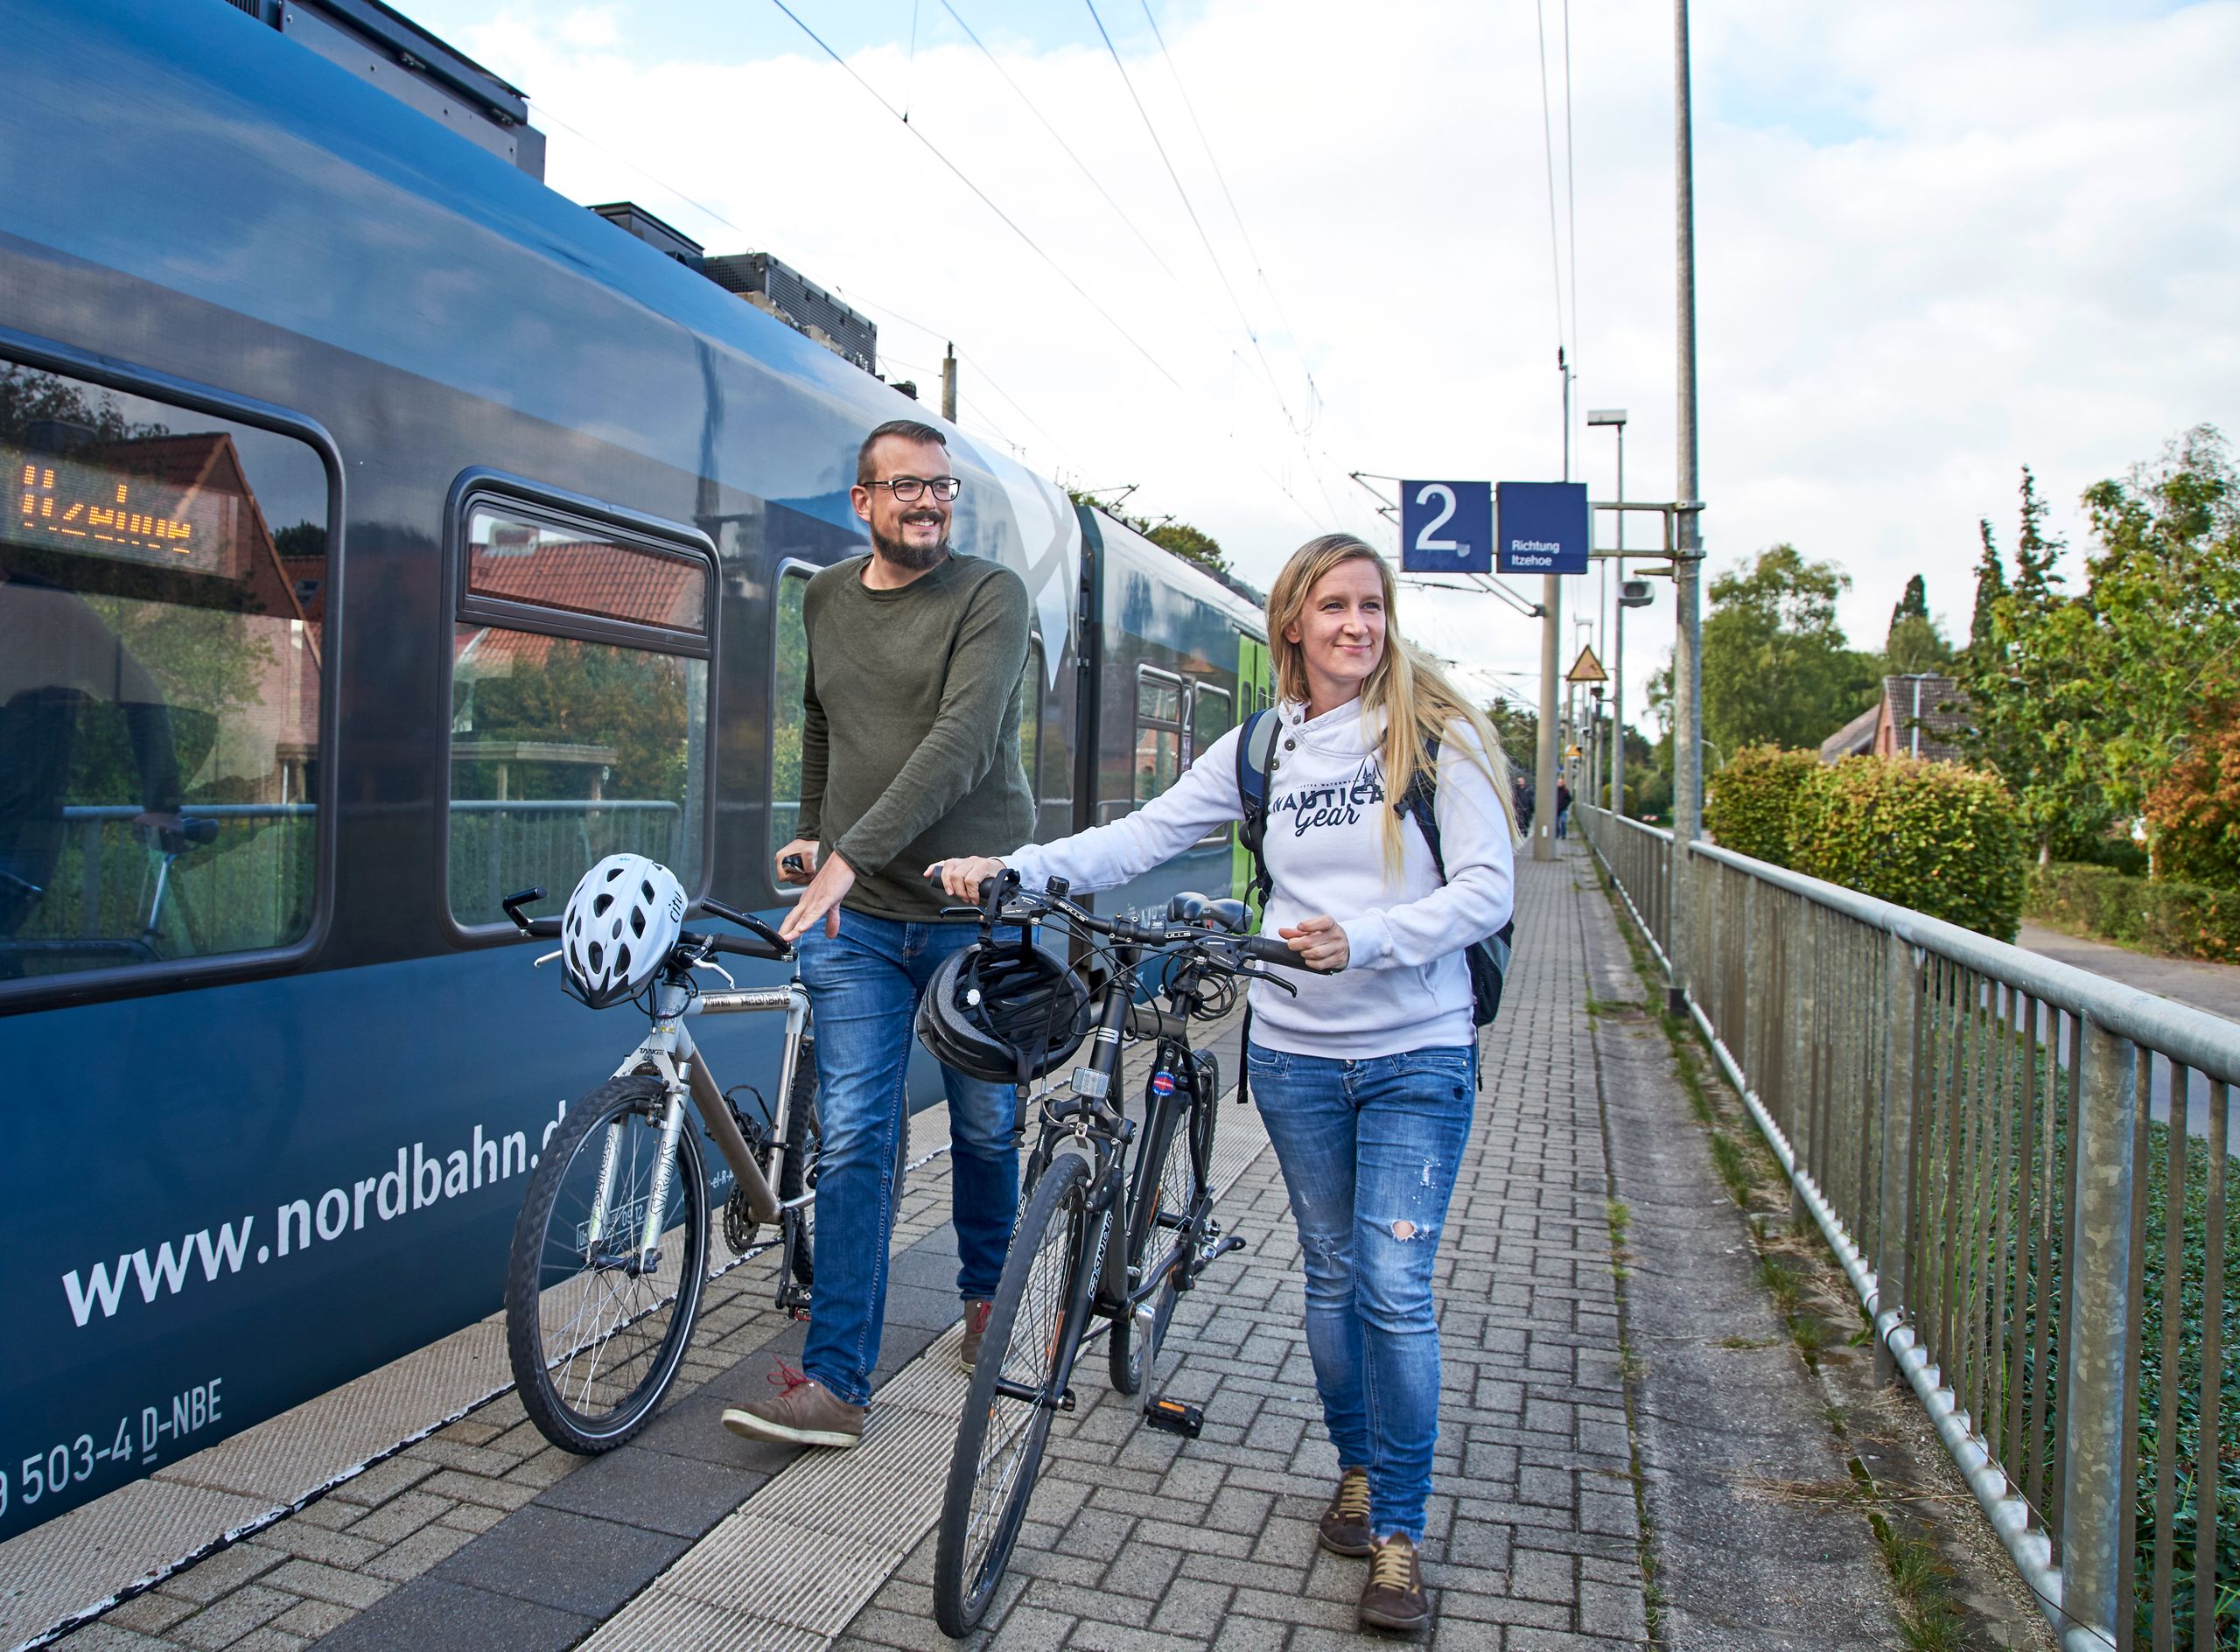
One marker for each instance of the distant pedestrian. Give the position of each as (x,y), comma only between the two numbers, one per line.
(1563,810)
(1366,1079)
(909,751)
(1523,801)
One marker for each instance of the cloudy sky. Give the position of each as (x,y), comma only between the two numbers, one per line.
(1935,243)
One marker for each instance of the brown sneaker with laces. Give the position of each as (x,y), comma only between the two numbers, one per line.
(1393,1598)
(802,1412)
(976,1327)
(1343,1528)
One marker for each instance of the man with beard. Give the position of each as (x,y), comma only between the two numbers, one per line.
(909,754)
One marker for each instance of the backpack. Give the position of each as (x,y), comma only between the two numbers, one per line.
(1488,959)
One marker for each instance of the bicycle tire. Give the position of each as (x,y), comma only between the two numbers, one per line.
(804,1147)
(1033,1331)
(591,1386)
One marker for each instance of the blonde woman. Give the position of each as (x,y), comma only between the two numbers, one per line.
(1368,1078)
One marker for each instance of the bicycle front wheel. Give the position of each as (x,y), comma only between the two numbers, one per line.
(1033,1330)
(596,1329)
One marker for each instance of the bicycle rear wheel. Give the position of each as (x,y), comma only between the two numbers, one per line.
(1034,1329)
(804,1147)
(594,1336)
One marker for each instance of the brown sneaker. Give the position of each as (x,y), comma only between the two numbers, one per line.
(1393,1598)
(1344,1526)
(976,1327)
(802,1412)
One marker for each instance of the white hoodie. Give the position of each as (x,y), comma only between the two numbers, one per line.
(1407,986)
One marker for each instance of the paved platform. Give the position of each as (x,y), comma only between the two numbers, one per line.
(480,1535)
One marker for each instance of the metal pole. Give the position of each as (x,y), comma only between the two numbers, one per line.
(949,385)
(2096,1326)
(1618,649)
(1551,641)
(1543,778)
(1687,669)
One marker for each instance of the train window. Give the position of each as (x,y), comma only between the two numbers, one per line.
(579,705)
(1209,717)
(1158,732)
(162,599)
(1030,720)
(787,712)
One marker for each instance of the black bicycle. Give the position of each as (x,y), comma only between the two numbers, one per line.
(1100,1236)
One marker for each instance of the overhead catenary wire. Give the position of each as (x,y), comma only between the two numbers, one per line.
(1032,245)
(1151,126)
(1259,265)
(1548,152)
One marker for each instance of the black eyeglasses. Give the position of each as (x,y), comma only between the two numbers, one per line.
(907,489)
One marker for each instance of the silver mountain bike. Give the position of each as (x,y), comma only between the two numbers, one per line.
(610,1253)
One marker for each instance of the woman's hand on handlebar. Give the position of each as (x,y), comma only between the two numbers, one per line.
(961,878)
(1320,942)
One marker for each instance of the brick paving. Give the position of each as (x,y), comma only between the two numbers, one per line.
(484,1536)
(1141,1540)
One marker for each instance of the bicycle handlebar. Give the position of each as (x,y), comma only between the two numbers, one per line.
(763,943)
(1024,904)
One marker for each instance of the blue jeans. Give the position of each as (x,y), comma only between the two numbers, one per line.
(863,986)
(1369,1150)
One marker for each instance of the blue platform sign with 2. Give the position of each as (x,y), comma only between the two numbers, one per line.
(1447,528)
(1544,527)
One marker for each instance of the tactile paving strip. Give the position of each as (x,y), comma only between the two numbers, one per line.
(809,1551)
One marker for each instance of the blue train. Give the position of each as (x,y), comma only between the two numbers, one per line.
(385,532)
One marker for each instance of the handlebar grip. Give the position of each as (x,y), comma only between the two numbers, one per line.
(748,920)
(513,904)
(773,948)
(1269,949)
(196,830)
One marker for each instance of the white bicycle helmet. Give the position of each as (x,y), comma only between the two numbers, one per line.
(619,924)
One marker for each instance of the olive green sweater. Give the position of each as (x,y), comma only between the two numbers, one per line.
(910,740)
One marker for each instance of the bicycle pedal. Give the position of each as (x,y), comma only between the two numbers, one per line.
(1233,1242)
(1172,1417)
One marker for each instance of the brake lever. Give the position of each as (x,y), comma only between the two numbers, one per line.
(1257,972)
(710,964)
(540,962)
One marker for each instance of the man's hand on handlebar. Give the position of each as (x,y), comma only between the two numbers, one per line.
(1320,942)
(821,899)
(961,878)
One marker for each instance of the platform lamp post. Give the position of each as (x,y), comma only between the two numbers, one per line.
(1615,417)
(1688,639)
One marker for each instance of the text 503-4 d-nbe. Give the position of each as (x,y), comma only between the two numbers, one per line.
(52,1471)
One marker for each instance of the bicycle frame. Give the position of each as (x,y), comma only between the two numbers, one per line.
(670,1052)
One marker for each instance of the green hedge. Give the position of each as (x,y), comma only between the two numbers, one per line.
(1940,839)
(1754,797)
(2186,920)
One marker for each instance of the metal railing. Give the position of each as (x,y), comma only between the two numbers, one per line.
(1974,1129)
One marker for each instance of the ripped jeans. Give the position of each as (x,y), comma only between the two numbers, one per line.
(1369,1150)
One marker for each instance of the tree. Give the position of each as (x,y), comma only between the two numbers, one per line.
(1914,604)
(2026,674)
(1777,669)
(1916,645)
(1991,585)
(2165,598)
(2195,812)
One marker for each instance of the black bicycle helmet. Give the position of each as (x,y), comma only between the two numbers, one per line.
(1005,1013)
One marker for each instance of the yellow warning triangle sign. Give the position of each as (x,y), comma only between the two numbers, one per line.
(1586,668)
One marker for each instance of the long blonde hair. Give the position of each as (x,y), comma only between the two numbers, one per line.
(1420,703)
